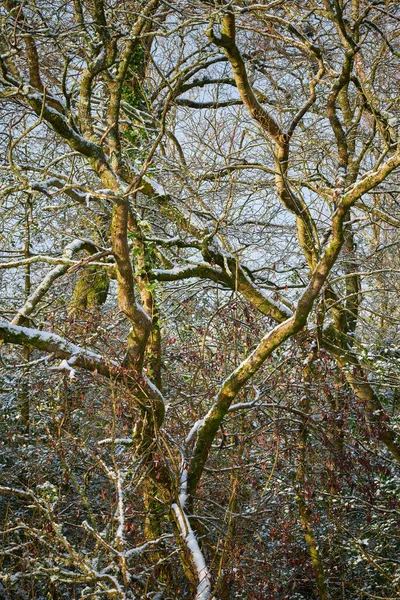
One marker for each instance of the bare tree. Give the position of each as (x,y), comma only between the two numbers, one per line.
(202,156)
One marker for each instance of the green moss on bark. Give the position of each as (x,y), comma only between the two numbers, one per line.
(91,289)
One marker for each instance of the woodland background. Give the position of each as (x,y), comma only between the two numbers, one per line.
(199,263)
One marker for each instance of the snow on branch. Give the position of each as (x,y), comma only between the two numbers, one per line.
(60,347)
(65,366)
(203,591)
(199,423)
(49,279)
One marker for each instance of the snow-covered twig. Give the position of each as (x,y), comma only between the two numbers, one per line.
(116,441)
(203,591)
(35,297)
(64,366)
(119,536)
(194,429)
(60,347)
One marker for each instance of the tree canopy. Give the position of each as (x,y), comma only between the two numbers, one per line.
(199,313)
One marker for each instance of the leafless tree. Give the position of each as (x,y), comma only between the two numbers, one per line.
(211,184)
